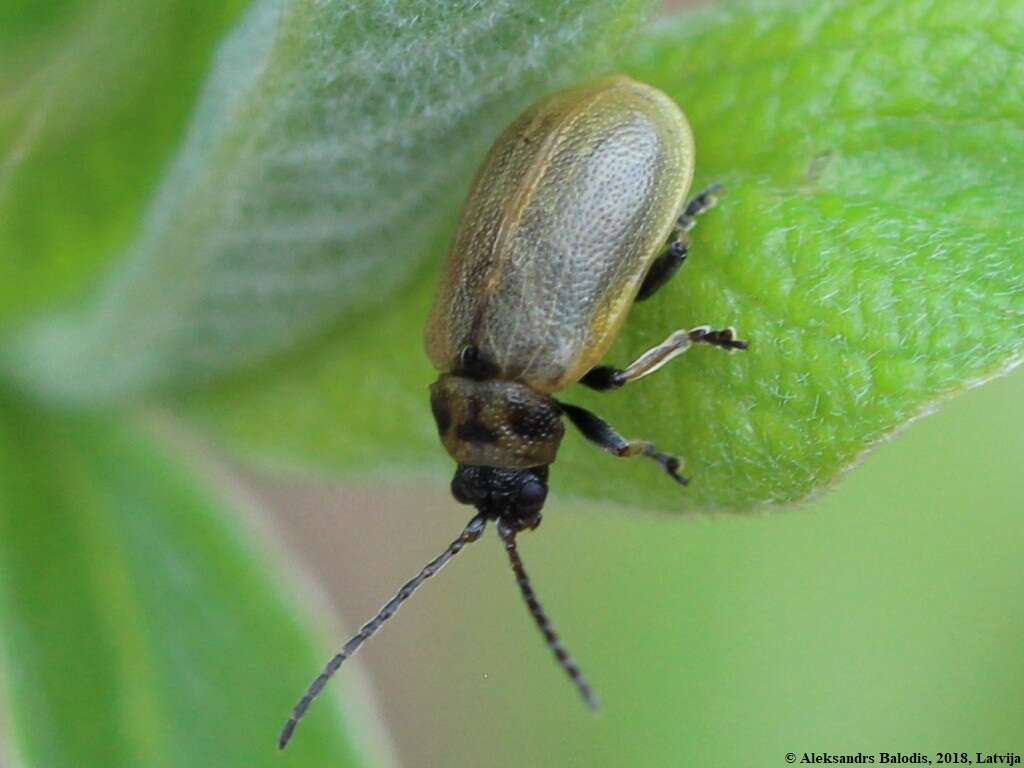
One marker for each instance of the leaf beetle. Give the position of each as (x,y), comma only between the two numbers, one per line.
(578,211)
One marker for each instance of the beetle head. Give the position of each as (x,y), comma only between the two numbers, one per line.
(514,496)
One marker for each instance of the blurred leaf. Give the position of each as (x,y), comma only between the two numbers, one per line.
(93,98)
(140,625)
(322,153)
(26,19)
(868,245)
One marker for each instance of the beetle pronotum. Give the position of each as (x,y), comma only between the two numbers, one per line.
(578,211)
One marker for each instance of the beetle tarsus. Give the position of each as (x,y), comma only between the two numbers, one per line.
(671,464)
(600,432)
(724,338)
(705,201)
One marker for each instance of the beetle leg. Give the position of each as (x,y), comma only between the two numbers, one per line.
(668,263)
(598,431)
(664,267)
(705,201)
(604,377)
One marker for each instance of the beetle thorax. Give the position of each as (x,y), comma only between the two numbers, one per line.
(495,423)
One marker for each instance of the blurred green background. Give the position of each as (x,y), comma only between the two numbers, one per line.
(172,571)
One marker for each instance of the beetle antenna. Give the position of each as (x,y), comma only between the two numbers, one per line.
(508,535)
(473,530)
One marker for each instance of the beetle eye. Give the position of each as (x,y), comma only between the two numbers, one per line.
(532,495)
(461,491)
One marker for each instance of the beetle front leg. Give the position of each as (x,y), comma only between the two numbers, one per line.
(664,267)
(598,431)
(604,377)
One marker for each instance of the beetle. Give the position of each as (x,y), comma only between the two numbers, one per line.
(578,211)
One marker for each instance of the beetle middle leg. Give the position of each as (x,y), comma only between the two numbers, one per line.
(604,377)
(598,431)
(664,267)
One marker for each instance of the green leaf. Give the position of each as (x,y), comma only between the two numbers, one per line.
(868,245)
(93,99)
(328,144)
(141,626)
(25,21)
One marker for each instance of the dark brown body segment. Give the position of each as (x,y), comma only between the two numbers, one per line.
(495,423)
(571,206)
